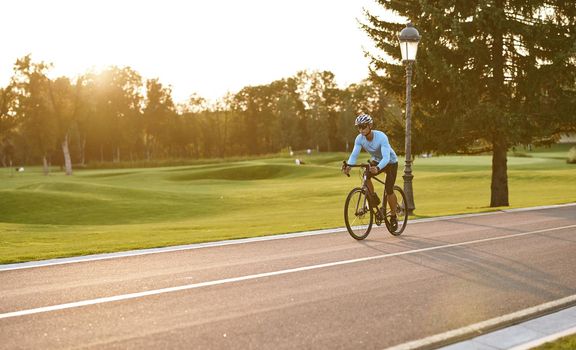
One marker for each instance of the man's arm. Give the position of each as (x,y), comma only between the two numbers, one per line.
(355,152)
(385,149)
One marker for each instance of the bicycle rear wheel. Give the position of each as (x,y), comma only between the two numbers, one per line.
(401,213)
(357,214)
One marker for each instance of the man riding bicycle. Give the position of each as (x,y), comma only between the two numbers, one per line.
(383,159)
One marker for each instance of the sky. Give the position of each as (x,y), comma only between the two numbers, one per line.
(207,47)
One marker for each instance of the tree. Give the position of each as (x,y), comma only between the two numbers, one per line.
(319,93)
(34,106)
(8,123)
(291,116)
(491,73)
(118,103)
(64,100)
(253,105)
(158,111)
(222,119)
(85,112)
(191,130)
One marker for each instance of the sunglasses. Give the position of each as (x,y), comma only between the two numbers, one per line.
(362,126)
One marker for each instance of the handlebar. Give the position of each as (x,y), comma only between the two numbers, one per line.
(362,165)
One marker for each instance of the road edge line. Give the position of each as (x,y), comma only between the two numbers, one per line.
(480,328)
(170,249)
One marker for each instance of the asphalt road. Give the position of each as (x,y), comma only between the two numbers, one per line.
(317,292)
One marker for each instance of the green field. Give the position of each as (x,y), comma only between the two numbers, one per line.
(98,211)
(565,343)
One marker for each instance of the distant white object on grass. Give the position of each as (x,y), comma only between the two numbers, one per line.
(309,151)
(291,153)
(297,161)
(20,169)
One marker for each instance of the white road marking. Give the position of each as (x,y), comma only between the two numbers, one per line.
(480,326)
(261,275)
(96,257)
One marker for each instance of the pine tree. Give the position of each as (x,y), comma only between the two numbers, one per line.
(488,73)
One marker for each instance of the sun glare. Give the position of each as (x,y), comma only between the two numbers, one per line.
(207,47)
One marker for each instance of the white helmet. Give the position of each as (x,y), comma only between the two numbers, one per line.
(363,119)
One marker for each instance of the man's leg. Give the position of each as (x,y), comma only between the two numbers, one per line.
(375,201)
(393,202)
(391,172)
(370,185)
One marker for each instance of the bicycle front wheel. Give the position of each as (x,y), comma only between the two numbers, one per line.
(357,214)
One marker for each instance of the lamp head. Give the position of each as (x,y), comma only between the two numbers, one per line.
(409,38)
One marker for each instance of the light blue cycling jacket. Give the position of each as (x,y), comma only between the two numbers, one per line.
(379,148)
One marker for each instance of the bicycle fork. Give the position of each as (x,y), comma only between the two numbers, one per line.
(364,207)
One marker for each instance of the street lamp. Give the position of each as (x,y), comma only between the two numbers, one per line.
(409,39)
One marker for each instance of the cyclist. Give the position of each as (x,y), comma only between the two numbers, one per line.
(383,159)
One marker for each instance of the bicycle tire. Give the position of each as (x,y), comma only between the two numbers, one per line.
(359,220)
(401,213)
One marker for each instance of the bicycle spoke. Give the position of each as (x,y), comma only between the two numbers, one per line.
(357,215)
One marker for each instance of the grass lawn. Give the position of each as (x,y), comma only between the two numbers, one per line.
(565,343)
(98,211)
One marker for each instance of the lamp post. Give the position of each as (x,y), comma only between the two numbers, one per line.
(409,38)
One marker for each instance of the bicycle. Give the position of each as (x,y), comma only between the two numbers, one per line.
(360,214)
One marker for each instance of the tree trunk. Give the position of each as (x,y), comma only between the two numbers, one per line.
(45,165)
(148,147)
(225,139)
(66,152)
(83,151)
(499,187)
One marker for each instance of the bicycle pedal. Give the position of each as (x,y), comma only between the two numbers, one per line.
(379,218)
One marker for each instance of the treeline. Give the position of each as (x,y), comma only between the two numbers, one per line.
(115,115)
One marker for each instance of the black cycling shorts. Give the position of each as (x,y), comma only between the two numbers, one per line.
(391,170)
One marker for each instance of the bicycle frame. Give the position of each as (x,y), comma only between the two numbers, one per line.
(365,177)
(365,174)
